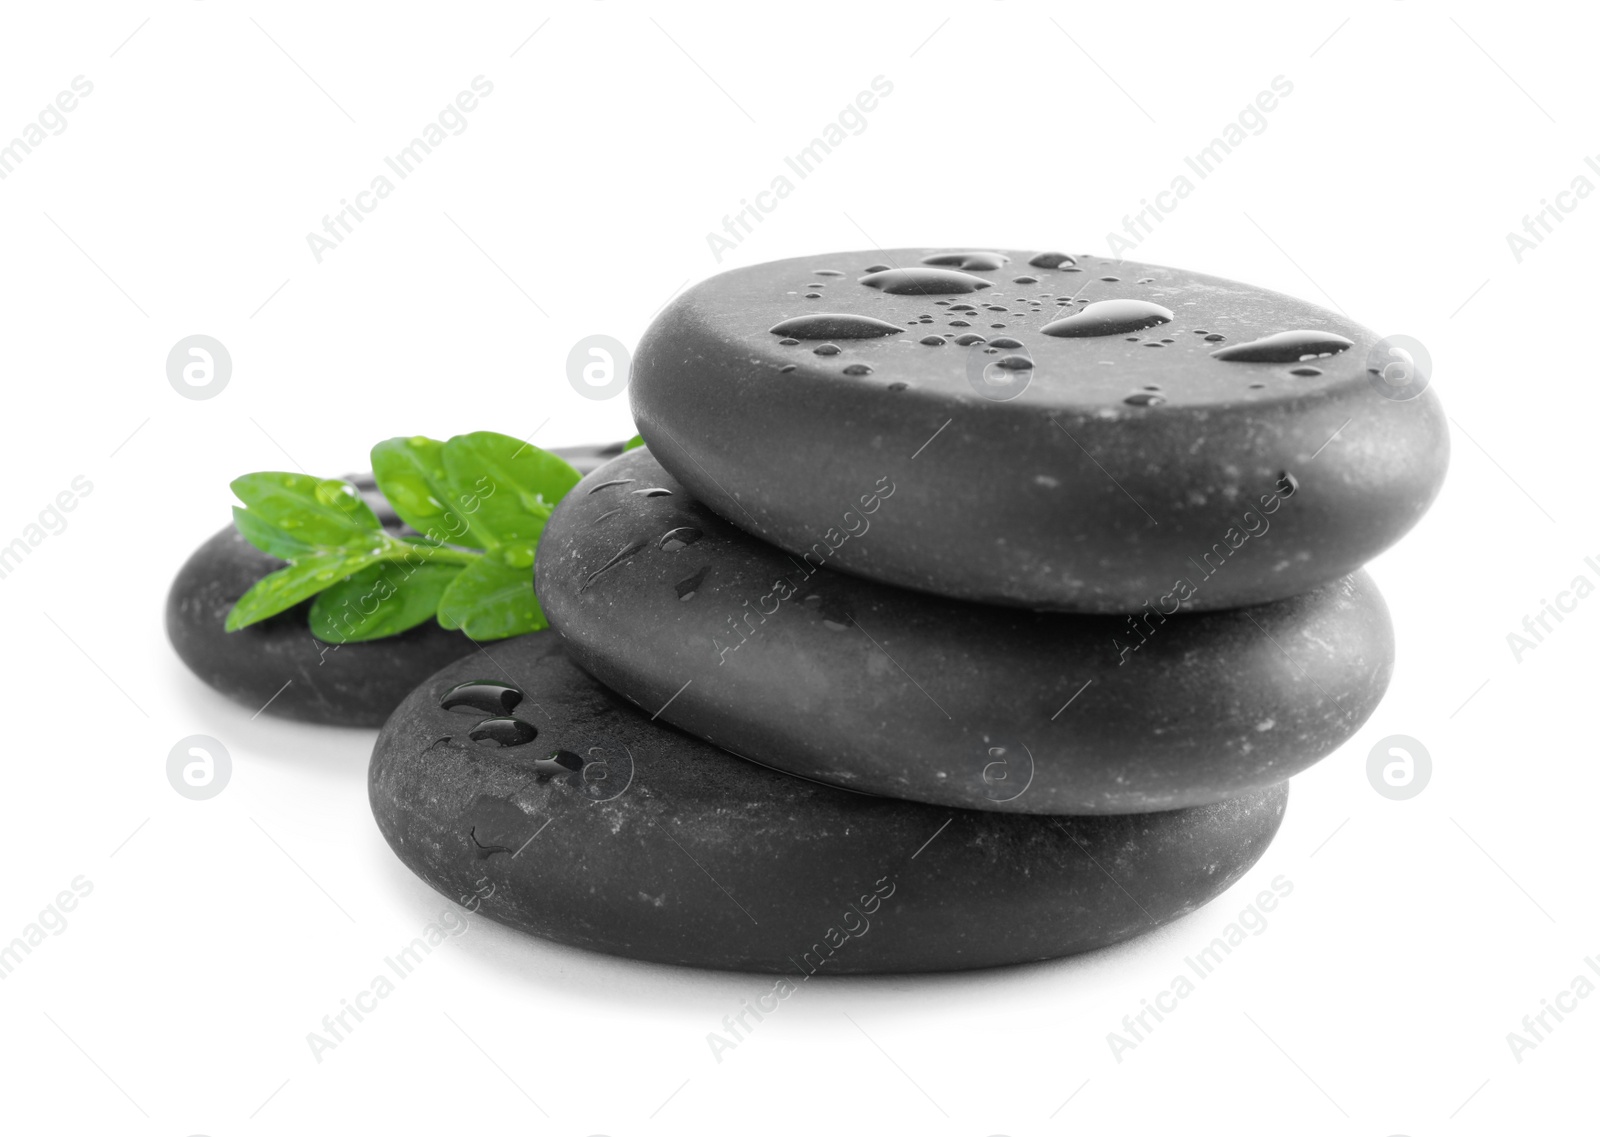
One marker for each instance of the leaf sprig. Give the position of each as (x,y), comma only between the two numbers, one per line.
(477,503)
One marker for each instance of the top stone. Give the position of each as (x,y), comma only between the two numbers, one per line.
(1067,433)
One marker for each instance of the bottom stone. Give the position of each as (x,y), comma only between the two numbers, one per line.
(524,790)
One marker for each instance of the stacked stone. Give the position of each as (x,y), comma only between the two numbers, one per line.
(963,608)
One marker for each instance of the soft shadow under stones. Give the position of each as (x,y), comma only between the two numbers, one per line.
(518,960)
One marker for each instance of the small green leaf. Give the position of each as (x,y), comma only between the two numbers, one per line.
(268,537)
(491,600)
(287,587)
(411,475)
(503,487)
(322,512)
(633,443)
(381,600)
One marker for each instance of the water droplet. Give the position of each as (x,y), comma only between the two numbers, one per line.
(876,268)
(503,732)
(1110,318)
(1015,363)
(517,556)
(689,585)
(1111,279)
(932,341)
(611,485)
(1051,260)
(960,324)
(1200,331)
(1144,399)
(1285,347)
(921,281)
(1004,341)
(897,386)
(786,368)
(858,369)
(483,695)
(997,325)
(972,262)
(1215,338)
(654,491)
(622,555)
(680,538)
(559,764)
(788,341)
(813,296)
(834,326)
(1306,372)
(828,272)
(967,339)
(826,349)
(1024,280)
(1257,386)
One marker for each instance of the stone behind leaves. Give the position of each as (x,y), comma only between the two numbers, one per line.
(1062,434)
(610,832)
(897,692)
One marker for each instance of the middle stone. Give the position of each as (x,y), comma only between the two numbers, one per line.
(782,661)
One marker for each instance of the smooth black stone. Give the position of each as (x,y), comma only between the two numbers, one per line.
(1067,496)
(901,693)
(352,684)
(685,854)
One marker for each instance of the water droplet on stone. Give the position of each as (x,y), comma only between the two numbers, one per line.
(786,368)
(1051,260)
(1004,341)
(689,585)
(834,326)
(1110,318)
(1305,372)
(876,268)
(960,324)
(1144,399)
(503,732)
(622,555)
(611,485)
(826,349)
(924,281)
(967,339)
(791,341)
(858,369)
(1215,338)
(482,695)
(829,272)
(558,764)
(1024,280)
(932,341)
(973,262)
(813,296)
(680,538)
(1285,347)
(654,491)
(1015,363)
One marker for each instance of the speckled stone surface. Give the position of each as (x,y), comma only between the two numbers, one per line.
(353,684)
(897,692)
(1066,495)
(648,843)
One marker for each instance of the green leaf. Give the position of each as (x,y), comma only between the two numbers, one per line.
(492,599)
(325,513)
(633,443)
(287,587)
(503,487)
(381,600)
(269,538)
(410,473)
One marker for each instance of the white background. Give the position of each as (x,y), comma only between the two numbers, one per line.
(218,933)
